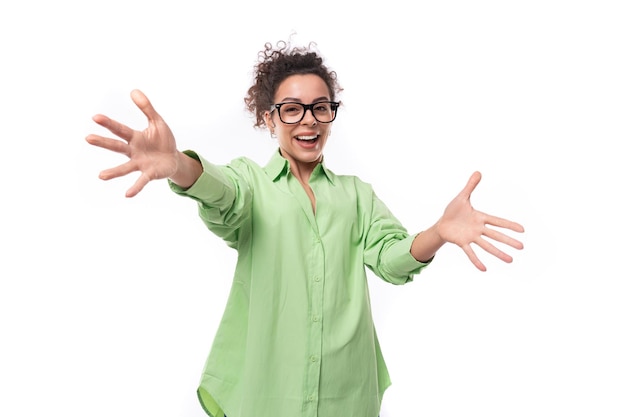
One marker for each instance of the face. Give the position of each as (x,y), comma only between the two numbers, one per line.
(301,143)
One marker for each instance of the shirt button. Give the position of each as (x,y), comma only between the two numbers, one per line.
(313,358)
(311,398)
(317,279)
(316,319)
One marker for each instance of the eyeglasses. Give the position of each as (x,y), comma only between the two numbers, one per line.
(293,112)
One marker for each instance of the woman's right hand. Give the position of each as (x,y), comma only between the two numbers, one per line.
(151,151)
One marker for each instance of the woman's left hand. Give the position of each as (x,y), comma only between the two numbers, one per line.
(462,225)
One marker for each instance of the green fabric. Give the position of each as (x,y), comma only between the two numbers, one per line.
(297,336)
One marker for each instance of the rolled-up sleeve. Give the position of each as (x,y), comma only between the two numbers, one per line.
(213,187)
(388,247)
(222,193)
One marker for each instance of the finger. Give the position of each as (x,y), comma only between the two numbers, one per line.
(501,237)
(118,171)
(114,127)
(490,248)
(471,185)
(504,223)
(141,101)
(473,258)
(108,143)
(137,186)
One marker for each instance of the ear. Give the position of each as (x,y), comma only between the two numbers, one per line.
(268,120)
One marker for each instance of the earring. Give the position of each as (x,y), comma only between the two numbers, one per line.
(272,134)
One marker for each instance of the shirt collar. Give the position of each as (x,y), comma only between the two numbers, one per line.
(279,166)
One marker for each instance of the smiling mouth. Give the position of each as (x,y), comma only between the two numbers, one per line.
(307,138)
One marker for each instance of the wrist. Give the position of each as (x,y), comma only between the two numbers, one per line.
(426,244)
(188,170)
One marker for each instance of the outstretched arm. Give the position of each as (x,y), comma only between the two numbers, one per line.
(462,225)
(151,151)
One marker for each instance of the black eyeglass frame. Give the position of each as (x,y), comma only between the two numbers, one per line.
(334,105)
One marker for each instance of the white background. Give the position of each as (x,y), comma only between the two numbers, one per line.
(108,305)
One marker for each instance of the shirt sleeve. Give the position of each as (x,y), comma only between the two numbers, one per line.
(388,247)
(223,195)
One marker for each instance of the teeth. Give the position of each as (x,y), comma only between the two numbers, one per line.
(306,137)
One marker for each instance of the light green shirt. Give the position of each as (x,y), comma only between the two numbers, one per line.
(297,336)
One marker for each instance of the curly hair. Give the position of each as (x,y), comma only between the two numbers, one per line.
(274,65)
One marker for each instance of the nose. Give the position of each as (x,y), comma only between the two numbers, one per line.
(308,118)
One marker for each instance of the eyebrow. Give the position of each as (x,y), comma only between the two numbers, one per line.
(297,100)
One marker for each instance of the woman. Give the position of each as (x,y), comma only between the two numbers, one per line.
(297,336)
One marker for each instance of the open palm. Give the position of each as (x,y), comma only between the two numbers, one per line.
(151,151)
(464,226)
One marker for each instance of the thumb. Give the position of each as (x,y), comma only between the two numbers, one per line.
(141,101)
(471,185)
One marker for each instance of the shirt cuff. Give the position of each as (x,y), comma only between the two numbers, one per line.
(404,264)
(212,186)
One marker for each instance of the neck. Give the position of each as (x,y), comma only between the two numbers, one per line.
(301,170)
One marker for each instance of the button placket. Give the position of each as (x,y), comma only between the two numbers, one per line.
(316,302)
